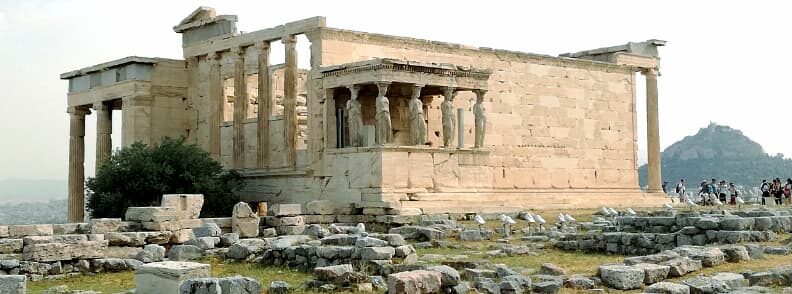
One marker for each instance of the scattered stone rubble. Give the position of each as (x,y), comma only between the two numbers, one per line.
(159,242)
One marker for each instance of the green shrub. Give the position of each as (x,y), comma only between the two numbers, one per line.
(139,175)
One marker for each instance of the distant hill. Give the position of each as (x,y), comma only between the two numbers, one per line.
(722,153)
(29,190)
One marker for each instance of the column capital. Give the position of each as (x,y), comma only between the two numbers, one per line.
(353,90)
(449,93)
(383,88)
(213,58)
(100,106)
(238,51)
(289,39)
(416,90)
(263,45)
(78,110)
(650,72)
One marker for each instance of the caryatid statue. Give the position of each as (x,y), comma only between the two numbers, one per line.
(355,115)
(480,116)
(417,121)
(383,127)
(449,119)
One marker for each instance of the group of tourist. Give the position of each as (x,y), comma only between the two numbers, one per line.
(728,193)
(777,189)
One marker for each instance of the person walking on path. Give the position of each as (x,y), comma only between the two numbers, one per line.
(765,188)
(733,194)
(723,190)
(680,190)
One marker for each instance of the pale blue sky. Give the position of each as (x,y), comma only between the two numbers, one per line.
(724,62)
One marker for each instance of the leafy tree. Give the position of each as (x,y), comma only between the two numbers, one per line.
(138,175)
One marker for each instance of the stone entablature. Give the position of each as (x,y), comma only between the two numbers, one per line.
(391,70)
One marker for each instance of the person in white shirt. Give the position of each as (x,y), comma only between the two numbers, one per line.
(680,190)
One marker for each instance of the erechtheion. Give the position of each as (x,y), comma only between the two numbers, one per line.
(387,124)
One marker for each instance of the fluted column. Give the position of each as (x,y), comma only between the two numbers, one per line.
(264,105)
(104,127)
(653,132)
(240,107)
(215,104)
(290,100)
(76,163)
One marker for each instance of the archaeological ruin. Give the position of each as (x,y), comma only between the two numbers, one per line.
(383,125)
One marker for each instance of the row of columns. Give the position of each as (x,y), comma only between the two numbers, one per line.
(104,146)
(417,117)
(264,103)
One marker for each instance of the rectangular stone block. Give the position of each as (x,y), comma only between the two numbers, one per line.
(181,236)
(162,226)
(190,223)
(105,225)
(3,231)
(291,221)
(319,219)
(222,222)
(290,230)
(166,277)
(188,206)
(13,284)
(50,252)
(11,246)
(18,231)
(285,209)
(151,214)
(70,228)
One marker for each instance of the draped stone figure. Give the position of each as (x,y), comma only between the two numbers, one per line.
(383,129)
(355,116)
(449,119)
(480,117)
(417,121)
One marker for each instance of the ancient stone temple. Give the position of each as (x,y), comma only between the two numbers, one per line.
(388,124)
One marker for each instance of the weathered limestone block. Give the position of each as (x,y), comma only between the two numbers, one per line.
(622,277)
(3,231)
(151,253)
(450,276)
(322,207)
(11,246)
(235,284)
(151,214)
(413,282)
(207,230)
(181,236)
(285,209)
(734,281)
(49,252)
(702,284)
(290,221)
(333,272)
(653,273)
(126,239)
(163,237)
(204,243)
(736,253)
(105,225)
(680,266)
(70,228)
(376,253)
(185,252)
(162,226)
(245,247)
(244,221)
(18,231)
(13,284)
(668,288)
(188,206)
(190,223)
(166,277)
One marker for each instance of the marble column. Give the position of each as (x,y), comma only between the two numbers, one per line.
(448,118)
(290,100)
(264,105)
(104,127)
(240,107)
(355,115)
(215,104)
(653,132)
(76,164)
(329,123)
